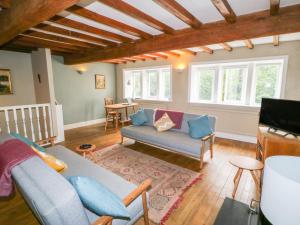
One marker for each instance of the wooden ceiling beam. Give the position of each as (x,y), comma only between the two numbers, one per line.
(226,47)
(42,45)
(17,48)
(225,9)
(60,39)
(137,14)
(274,7)
(135,58)
(25,14)
(276,40)
(206,49)
(254,25)
(80,11)
(159,55)
(180,12)
(62,31)
(172,53)
(47,43)
(81,26)
(249,44)
(147,57)
(5,4)
(187,51)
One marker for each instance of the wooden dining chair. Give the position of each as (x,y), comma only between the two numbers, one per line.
(110,115)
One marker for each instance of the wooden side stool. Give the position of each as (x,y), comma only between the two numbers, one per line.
(87,151)
(246,163)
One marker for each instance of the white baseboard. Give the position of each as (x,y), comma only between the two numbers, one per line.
(237,137)
(84,123)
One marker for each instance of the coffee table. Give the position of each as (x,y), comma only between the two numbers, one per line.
(87,151)
(246,163)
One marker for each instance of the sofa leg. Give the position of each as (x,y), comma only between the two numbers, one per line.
(211,147)
(202,154)
(122,140)
(145,208)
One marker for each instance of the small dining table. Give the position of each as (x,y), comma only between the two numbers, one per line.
(120,106)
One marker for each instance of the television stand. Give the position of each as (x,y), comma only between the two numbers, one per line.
(270,143)
(283,134)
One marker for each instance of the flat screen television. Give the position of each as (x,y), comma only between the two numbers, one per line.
(281,114)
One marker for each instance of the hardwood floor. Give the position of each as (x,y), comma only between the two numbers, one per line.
(201,202)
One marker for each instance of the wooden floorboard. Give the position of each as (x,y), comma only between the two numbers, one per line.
(201,202)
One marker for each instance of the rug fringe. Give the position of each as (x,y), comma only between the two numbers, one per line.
(179,200)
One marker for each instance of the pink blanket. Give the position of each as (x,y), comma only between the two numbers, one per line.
(12,153)
(176,117)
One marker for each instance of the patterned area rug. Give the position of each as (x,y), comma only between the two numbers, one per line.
(169,181)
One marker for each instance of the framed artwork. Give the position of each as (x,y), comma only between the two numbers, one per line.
(5,82)
(100,81)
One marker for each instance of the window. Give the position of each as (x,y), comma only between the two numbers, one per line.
(148,83)
(203,82)
(237,83)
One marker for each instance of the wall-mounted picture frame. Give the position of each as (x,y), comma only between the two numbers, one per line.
(5,82)
(99,81)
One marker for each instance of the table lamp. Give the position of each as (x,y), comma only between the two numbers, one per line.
(280,198)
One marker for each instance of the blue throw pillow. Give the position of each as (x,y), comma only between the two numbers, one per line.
(27,141)
(138,118)
(199,127)
(98,199)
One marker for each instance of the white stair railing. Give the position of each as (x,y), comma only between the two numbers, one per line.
(32,121)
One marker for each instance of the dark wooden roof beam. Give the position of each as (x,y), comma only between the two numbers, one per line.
(274,7)
(80,11)
(5,4)
(226,47)
(137,14)
(180,12)
(249,44)
(225,9)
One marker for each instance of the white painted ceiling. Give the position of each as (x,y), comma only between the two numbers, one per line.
(204,10)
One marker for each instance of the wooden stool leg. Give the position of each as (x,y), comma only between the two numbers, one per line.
(237,181)
(256,182)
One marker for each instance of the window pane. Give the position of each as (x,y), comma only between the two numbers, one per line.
(137,84)
(166,84)
(153,83)
(205,83)
(266,81)
(234,85)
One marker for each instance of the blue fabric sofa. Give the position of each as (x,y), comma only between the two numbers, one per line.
(53,199)
(177,140)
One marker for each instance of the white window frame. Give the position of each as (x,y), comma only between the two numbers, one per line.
(145,82)
(250,80)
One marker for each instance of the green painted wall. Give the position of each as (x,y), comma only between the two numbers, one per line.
(77,94)
(22,78)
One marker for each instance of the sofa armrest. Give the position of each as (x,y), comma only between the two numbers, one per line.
(140,190)
(47,141)
(210,136)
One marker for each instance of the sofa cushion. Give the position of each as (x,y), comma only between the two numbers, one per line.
(164,123)
(138,118)
(51,197)
(199,127)
(150,116)
(79,166)
(5,137)
(174,140)
(98,198)
(186,117)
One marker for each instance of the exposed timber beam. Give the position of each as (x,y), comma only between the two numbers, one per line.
(206,49)
(226,46)
(137,14)
(274,7)
(172,53)
(180,12)
(80,11)
(187,51)
(25,14)
(5,4)
(74,34)
(225,9)
(254,25)
(147,57)
(276,40)
(52,37)
(81,26)
(249,44)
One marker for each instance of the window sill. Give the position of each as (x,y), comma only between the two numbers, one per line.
(245,108)
(152,100)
